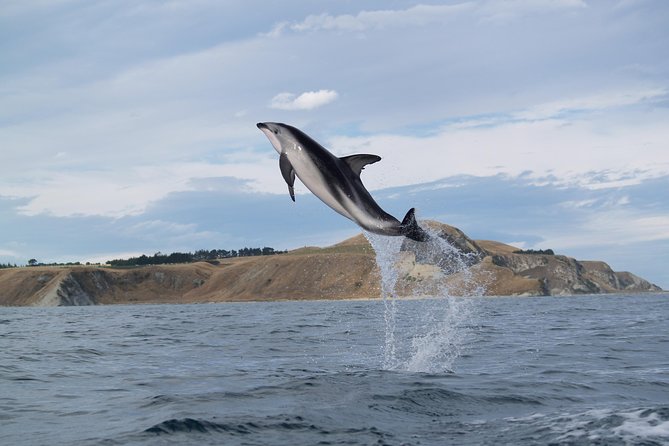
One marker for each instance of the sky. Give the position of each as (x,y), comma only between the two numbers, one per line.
(128,126)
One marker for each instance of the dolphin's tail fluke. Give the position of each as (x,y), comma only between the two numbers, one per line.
(409,227)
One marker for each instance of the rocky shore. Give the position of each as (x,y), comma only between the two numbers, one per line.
(346,270)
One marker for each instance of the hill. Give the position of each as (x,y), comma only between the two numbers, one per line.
(346,270)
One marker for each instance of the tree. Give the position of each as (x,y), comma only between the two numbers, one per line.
(32,262)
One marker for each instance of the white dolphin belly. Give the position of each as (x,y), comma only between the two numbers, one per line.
(311,176)
(316,181)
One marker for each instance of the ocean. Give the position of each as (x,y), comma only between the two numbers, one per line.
(465,371)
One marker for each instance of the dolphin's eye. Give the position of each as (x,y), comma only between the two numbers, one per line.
(276,131)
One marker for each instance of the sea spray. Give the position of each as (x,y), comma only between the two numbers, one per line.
(434,338)
(387,250)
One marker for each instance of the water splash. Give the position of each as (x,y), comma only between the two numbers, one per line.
(387,251)
(431,335)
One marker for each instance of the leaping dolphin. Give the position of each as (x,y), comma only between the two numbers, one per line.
(336,181)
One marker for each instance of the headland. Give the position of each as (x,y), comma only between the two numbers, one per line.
(346,270)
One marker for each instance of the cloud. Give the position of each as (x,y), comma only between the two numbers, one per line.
(115,193)
(176,234)
(308,100)
(597,150)
(611,226)
(598,101)
(415,16)
(507,10)
(7,253)
(422,15)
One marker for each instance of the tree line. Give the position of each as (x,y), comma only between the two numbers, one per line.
(7,265)
(546,252)
(197,256)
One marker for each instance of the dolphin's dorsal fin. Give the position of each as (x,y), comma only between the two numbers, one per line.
(288,173)
(358,162)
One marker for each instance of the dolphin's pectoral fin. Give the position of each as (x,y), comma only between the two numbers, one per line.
(358,162)
(288,173)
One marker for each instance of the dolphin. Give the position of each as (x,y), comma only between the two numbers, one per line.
(335,181)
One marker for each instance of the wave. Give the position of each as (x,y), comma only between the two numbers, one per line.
(173,426)
(284,429)
(438,402)
(648,426)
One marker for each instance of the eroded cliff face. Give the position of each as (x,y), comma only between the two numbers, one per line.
(561,275)
(343,271)
(62,286)
(501,270)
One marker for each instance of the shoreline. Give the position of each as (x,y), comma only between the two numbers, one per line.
(359,299)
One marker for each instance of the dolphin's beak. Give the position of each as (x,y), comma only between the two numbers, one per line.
(267,130)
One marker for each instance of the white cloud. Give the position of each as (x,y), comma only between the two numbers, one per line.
(116,194)
(610,144)
(506,10)
(624,4)
(12,8)
(306,101)
(561,152)
(8,253)
(167,227)
(613,227)
(421,15)
(103,257)
(579,204)
(177,233)
(598,101)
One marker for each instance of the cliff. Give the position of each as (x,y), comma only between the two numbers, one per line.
(344,271)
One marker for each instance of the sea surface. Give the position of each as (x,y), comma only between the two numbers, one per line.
(548,370)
